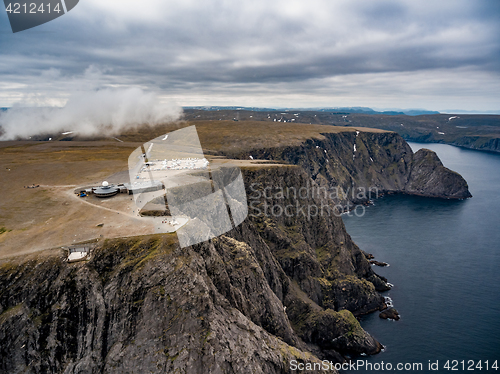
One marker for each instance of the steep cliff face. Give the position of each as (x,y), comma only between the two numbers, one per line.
(306,235)
(360,165)
(138,306)
(284,285)
(428,177)
(481,143)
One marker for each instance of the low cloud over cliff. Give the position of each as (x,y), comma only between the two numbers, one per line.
(103,112)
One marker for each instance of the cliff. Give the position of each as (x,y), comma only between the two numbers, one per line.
(138,306)
(272,290)
(359,166)
(284,285)
(428,177)
(478,142)
(473,131)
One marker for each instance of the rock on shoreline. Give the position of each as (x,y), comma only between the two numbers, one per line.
(390,313)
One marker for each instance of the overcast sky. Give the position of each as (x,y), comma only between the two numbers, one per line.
(438,54)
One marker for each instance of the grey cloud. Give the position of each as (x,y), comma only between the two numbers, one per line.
(104,112)
(198,45)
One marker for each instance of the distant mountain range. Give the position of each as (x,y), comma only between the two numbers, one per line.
(340,110)
(459,111)
(337,110)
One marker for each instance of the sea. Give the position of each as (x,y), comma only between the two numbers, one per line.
(444,258)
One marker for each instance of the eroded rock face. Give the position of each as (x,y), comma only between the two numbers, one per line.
(429,177)
(481,143)
(365,165)
(143,305)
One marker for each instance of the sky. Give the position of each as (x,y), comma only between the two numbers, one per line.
(438,55)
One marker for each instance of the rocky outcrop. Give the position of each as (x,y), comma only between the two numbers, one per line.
(379,263)
(428,177)
(390,313)
(359,166)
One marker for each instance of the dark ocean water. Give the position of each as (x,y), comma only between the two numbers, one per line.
(444,261)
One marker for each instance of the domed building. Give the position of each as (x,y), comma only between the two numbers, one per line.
(106,190)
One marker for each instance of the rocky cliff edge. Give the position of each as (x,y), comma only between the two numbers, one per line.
(276,289)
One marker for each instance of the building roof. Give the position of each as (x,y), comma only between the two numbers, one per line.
(106,191)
